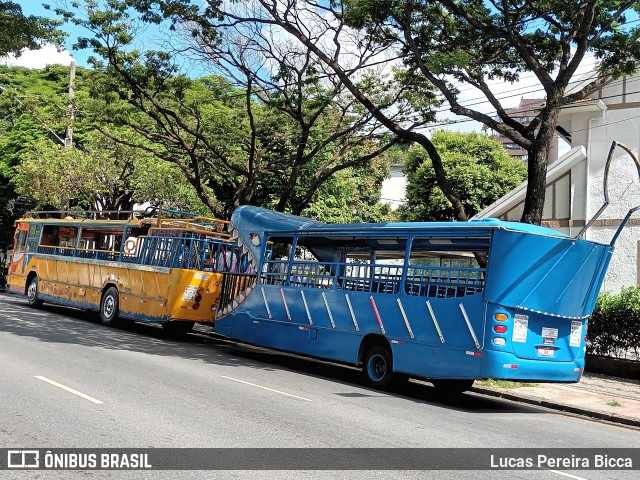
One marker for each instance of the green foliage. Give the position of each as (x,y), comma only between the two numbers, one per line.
(272,141)
(352,196)
(104,174)
(614,327)
(56,176)
(504,384)
(469,43)
(478,167)
(19,32)
(97,173)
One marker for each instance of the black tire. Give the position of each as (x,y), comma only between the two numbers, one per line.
(178,328)
(32,293)
(109,306)
(452,387)
(378,367)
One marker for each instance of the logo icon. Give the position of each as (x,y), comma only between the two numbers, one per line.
(23,459)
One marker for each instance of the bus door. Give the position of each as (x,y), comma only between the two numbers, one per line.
(19,261)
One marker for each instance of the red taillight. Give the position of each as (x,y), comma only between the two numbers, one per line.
(500,328)
(196,306)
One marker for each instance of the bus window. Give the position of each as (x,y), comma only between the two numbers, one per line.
(374,264)
(21,240)
(442,273)
(300,267)
(49,236)
(34,237)
(67,237)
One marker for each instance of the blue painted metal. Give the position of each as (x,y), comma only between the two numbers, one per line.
(535,276)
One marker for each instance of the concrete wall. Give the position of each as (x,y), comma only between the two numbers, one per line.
(618,123)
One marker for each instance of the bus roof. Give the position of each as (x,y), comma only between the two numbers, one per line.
(262,220)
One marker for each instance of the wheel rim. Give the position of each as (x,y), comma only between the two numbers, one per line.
(377,367)
(109,306)
(32,290)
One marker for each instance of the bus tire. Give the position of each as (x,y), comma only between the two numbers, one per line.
(378,366)
(32,293)
(178,328)
(109,307)
(452,387)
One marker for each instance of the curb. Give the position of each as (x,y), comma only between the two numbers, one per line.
(633,422)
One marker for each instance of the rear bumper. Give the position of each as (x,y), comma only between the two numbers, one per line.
(506,366)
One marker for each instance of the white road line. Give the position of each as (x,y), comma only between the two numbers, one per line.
(23,312)
(567,475)
(266,388)
(21,320)
(68,389)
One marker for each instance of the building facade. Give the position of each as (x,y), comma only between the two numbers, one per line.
(575,189)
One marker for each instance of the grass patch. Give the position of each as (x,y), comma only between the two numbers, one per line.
(613,403)
(504,384)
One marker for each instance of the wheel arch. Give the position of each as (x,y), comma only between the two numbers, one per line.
(370,340)
(32,274)
(106,287)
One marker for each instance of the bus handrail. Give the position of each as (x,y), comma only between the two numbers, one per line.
(605,188)
(421,280)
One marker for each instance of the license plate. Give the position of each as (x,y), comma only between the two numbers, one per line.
(545,351)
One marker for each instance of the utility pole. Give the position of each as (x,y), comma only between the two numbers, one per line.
(71,111)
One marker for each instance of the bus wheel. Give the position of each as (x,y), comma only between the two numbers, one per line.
(378,366)
(177,328)
(109,307)
(452,387)
(32,293)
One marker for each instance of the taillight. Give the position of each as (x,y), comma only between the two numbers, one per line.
(501,317)
(499,341)
(500,328)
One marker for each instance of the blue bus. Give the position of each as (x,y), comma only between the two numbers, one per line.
(450,302)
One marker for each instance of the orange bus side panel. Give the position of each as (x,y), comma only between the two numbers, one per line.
(193,294)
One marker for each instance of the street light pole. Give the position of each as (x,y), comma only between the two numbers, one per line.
(71,111)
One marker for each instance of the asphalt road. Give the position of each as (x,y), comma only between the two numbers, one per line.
(144,389)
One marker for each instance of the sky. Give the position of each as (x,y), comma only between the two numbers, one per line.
(48,55)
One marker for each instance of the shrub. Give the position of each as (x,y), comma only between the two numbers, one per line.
(614,327)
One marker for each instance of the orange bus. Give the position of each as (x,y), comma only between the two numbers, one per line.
(165,270)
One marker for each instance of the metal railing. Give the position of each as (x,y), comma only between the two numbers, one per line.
(171,252)
(232,285)
(427,281)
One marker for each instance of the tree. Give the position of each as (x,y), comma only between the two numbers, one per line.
(344,55)
(29,101)
(322,120)
(476,164)
(19,32)
(444,43)
(471,42)
(353,195)
(294,114)
(101,175)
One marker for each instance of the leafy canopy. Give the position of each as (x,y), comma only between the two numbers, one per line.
(19,32)
(477,165)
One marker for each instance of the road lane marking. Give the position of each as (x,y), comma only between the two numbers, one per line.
(567,475)
(267,388)
(21,320)
(68,389)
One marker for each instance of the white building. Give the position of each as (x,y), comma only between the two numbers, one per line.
(575,181)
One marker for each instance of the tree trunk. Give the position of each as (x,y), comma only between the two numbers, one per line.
(537,170)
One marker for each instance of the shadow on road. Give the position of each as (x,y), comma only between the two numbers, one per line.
(55,324)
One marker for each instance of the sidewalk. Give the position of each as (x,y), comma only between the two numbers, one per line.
(598,396)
